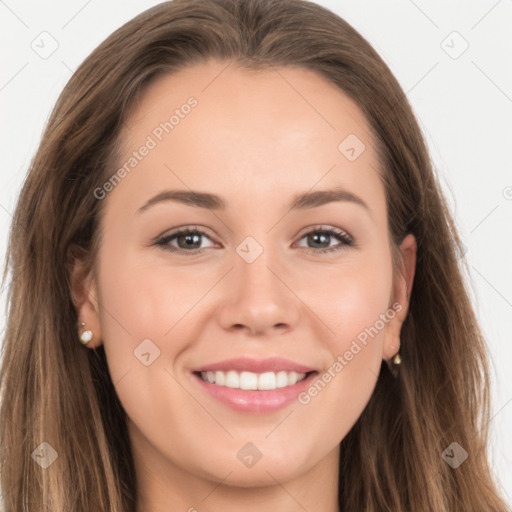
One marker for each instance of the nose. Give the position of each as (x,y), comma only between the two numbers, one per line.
(258,298)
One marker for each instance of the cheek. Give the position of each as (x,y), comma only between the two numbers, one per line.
(350,301)
(356,306)
(142,300)
(144,323)
(141,311)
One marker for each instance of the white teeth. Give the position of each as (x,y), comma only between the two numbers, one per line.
(253,381)
(248,380)
(267,381)
(282,380)
(293,378)
(232,380)
(220,378)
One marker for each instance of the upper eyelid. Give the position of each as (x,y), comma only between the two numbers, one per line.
(324,227)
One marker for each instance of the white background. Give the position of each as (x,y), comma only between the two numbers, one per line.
(464,105)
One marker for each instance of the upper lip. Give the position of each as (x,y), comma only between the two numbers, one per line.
(272,364)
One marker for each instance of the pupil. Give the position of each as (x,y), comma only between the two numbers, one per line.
(188,237)
(317,235)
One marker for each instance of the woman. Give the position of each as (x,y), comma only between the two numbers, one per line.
(144,373)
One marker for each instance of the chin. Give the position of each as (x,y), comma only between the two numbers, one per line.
(264,472)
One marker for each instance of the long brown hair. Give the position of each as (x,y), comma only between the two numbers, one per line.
(55,392)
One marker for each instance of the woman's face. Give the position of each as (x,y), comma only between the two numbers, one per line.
(252,280)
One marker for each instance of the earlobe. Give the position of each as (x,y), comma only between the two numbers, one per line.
(84,296)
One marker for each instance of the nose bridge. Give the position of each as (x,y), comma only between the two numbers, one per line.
(256,271)
(259,298)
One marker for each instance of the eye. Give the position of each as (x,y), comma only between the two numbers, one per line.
(321,235)
(188,240)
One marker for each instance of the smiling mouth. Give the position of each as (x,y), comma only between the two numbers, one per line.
(252,381)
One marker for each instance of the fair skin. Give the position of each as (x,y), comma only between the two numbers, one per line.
(256,141)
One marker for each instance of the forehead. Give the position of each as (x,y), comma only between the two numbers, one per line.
(214,126)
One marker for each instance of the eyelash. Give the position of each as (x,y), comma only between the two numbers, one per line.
(334,232)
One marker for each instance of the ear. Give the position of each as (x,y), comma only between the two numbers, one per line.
(85,298)
(401,295)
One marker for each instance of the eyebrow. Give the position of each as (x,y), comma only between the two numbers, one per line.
(301,201)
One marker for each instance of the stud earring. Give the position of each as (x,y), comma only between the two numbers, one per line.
(397,359)
(86,336)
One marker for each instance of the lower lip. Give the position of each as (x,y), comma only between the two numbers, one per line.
(255,401)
